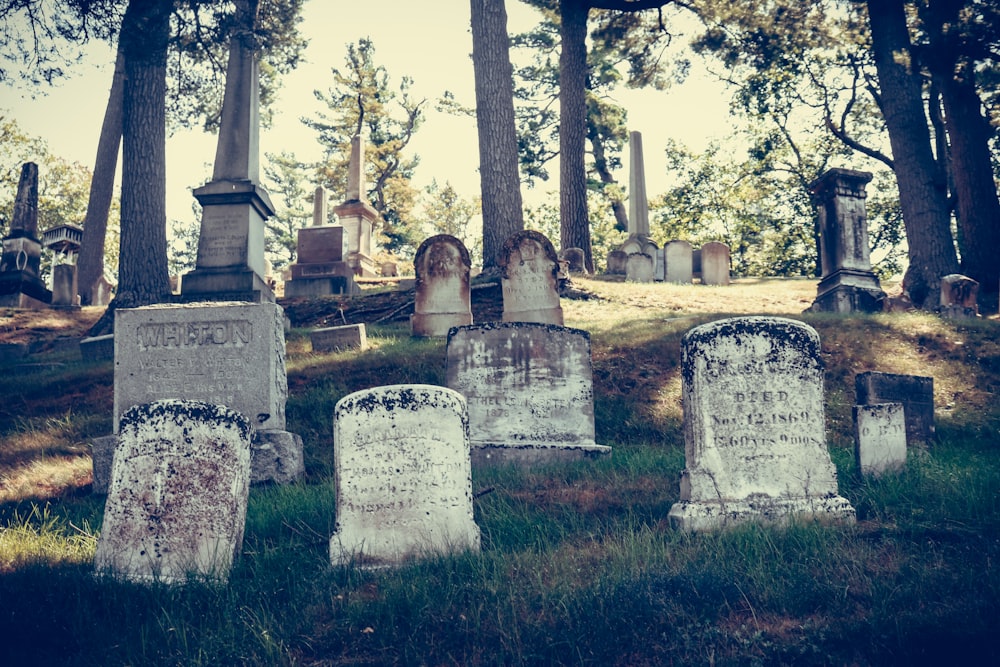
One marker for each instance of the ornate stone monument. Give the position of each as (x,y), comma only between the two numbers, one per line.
(358,218)
(754,426)
(529,279)
(848,283)
(320,267)
(64,242)
(21,284)
(443,296)
(403,476)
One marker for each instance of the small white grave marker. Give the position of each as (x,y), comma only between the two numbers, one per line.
(879,438)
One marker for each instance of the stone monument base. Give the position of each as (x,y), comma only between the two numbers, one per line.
(322,286)
(224,285)
(275,458)
(437,324)
(708,516)
(849,291)
(488,454)
(21,289)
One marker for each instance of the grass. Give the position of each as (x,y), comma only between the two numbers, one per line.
(578,564)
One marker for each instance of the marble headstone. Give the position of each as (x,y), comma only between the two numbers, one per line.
(529,279)
(915,392)
(879,438)
(678,257)
(754,430)
(443,295)
(639,268)
(529,389)
(714,263)
(178,497)
(403,476)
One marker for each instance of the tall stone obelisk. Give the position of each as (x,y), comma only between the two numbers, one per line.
(21,284)
(357,216)
(230,261)
(638,205)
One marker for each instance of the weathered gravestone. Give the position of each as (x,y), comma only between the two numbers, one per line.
(404,480)
(714,263)
(64,242)
(639,268)
(320,268)
(576,259)
(848,283)
(617,262)
(678,257)
(959,297)
(443,298)
(529,279)
(754,432)
(879,438)
(21,285)
(915,392)
(529,389)
(345,337)
(177,503)
(229,354)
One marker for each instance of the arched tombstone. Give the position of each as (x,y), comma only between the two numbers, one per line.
(714,263)
(754,427)
(177,500)
(616,263)
(443,298)
(639,268)
(529,279)
(678,257)
(403,475)
(576,258)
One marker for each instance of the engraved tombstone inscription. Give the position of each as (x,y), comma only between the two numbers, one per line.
(529,278)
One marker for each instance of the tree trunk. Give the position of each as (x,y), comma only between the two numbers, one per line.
(923,195)
(975,191)
(142,270)
(500,183)
(574,223)
(90,263)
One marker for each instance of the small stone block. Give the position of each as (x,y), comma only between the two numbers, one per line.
(333,339)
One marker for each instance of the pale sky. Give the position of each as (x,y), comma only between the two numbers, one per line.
(431,45)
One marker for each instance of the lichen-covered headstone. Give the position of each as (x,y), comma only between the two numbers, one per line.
(879,438)
(529,389)
(177,501)
(754,432)
(403,475)
(529,279)
(443,297)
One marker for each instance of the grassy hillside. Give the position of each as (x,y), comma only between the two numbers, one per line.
(578,563)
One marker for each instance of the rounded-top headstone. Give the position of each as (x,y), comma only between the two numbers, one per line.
(443,296)
(529,269)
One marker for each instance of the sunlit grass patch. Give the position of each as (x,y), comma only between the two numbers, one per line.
(38,535)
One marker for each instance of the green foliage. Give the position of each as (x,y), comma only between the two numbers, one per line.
(445,211)
(289,184)
(363,100)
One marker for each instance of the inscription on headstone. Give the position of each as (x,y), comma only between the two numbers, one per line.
(403,475)
(915,392)
(879,438)
(178,496)
(529,389)
(530,269)
(754,432)
(443,296)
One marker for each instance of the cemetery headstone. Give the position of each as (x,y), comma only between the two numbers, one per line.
(617,262)
(754,431)
(915,392)
(64,242)
(714,263)
(443,296)
(678,257)
(879,438)
(639,268)
(848,284)
(229,354)
(959,297)
(403,476)
(21,285)
(576,258)
(696,264)
(320,268)
(357,216)
(529,389)
(529,279)
(345,337)
(177,502)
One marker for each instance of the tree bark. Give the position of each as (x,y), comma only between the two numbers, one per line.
(923,195)
(574,223)
(500,183)
(142,270)
(90,263)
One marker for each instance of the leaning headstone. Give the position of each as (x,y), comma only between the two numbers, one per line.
(959,297)
(229,354)
(848,283)
(177,502)
(754,432)
(639,268)
(879,438)
(915,392)
(334,339)
(403,476)
(678,257)
(529,279)
(21,285)
(443,298)
(714,263)
(617,262)
(529,389)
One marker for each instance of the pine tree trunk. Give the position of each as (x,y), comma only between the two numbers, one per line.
(90,263)
(142,265)
(500,183)
(923,194)
(574,223)
(607,178)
